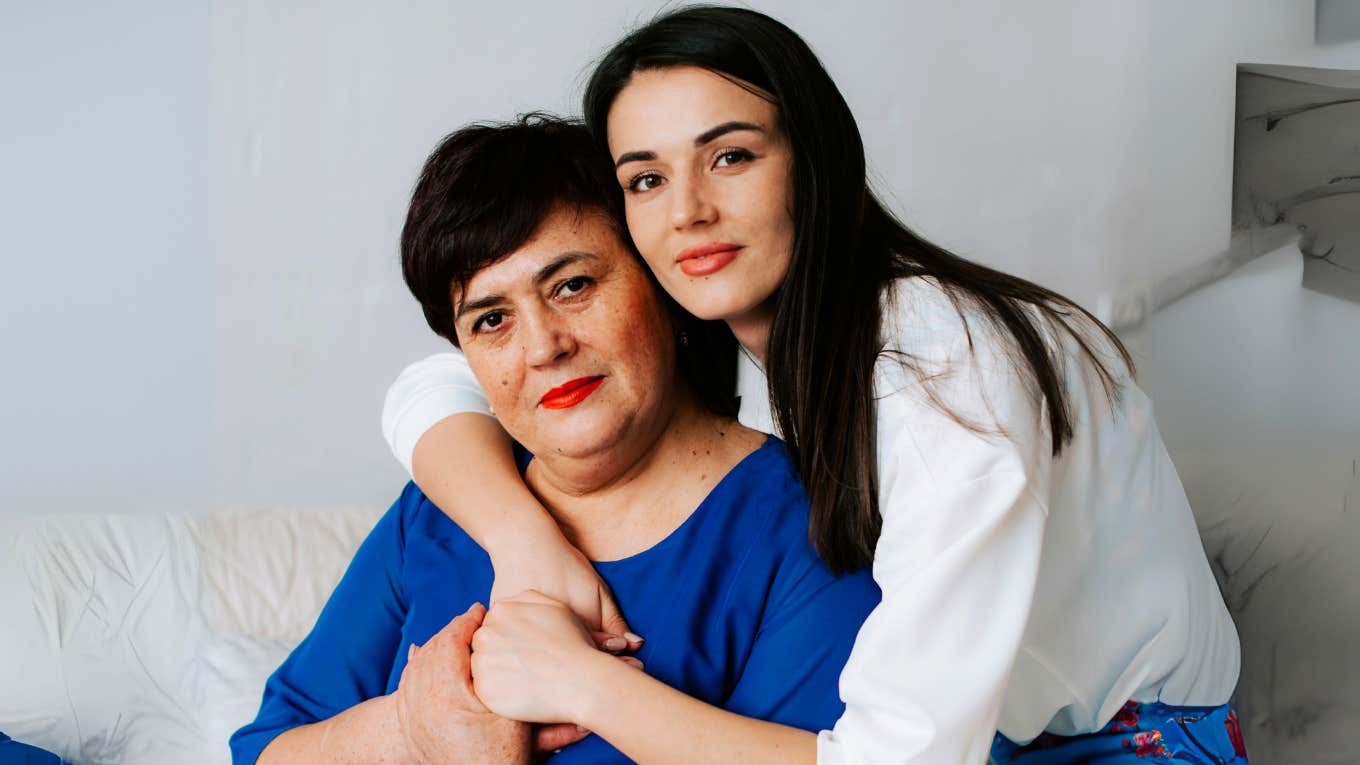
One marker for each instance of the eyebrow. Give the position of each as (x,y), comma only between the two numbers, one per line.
(542,275)
(705,137)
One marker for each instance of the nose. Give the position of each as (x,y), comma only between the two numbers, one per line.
(547,338)
(691,203)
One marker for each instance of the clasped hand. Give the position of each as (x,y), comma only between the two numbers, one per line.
(461,693)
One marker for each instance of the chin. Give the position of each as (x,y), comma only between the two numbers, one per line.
(584,438)
(719,307)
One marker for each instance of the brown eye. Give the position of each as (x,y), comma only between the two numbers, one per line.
(574,286)
(644,182)
(730,157)
(489,322)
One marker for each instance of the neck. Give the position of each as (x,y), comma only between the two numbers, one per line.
(752,330)
(623,501)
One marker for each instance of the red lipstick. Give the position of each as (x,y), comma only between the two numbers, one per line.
(570,393)
(707,258)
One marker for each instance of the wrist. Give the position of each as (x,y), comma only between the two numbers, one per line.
(393,716)
(527,535)
(598,683)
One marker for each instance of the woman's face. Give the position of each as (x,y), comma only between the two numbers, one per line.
(570,341)
(706,173)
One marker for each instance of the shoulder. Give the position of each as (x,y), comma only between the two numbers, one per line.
(780,552)
(414,519)
(956,397)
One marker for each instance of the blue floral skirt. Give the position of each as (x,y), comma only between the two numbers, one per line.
(1139,733)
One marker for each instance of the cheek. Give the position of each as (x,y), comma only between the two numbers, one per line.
(642,226)
(647,339)
(501,379)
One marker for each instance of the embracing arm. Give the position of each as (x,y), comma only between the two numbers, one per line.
(436,419)
(659,724)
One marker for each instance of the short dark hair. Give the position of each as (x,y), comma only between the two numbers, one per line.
(485,191)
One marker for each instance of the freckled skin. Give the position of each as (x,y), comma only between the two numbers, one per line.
(615,327)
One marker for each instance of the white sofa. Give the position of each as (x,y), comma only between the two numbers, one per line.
(146,639)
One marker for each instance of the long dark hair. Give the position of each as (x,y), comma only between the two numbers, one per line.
(828,326)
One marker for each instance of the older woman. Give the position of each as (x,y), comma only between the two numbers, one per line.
(514,247)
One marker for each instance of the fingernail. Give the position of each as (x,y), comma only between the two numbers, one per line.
(580,729)
(633,637)
(616,644)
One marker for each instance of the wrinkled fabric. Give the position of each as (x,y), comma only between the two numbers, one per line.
(146,639)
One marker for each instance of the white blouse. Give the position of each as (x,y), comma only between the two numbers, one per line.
(1022,593)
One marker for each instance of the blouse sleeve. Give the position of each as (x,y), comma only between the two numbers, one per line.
(963,523)
(425,393)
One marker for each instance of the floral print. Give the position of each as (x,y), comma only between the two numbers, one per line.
(1139,732)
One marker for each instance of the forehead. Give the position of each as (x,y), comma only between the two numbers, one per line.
(681,102)
(562,232)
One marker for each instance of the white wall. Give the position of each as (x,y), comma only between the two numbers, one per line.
(220,322)
(106,287)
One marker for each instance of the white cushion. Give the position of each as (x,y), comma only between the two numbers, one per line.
(147,638)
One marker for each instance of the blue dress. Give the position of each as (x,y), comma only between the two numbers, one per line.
(737,610)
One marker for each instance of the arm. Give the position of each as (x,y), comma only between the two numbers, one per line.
(366,733)
(436,419)
(432,717)
(327,702)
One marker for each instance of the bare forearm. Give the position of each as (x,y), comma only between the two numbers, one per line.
(365,734)
(659,725)
(466,466)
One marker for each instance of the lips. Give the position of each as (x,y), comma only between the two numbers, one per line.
(570,393)
(708,258)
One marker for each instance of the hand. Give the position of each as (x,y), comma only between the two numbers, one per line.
(440,716)
(559,571)
(531,658)
(554,736)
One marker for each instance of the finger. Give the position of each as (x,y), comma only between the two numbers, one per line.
(633,662)
(611,618)
(604,641)
(461,629)
(548,738)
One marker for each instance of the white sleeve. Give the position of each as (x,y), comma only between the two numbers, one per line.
(957,561)
(425,393)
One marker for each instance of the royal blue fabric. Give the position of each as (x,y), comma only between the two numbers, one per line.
(736,610)
(14,753)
